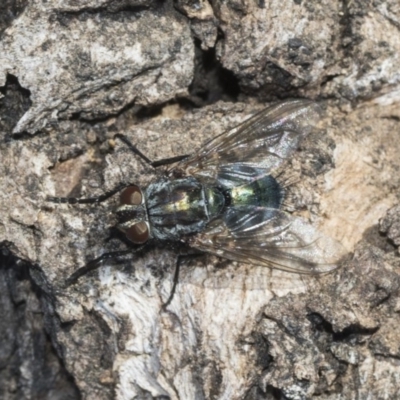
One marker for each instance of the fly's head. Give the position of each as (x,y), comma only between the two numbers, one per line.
(132,215)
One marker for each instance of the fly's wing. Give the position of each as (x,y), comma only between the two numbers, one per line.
(245,277)
(264,141)
(270,238)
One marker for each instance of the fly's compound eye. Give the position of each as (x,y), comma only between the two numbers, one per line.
(132,195)
(138,233)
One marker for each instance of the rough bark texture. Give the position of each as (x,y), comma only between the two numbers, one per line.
(171,76)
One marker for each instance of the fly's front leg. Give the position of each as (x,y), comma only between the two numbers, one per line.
(154,164)
(88,200)
(98,262)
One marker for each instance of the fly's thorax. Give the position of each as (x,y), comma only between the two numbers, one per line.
(264,192)
(181,207)
(215,201)
(132,215)
(180,198)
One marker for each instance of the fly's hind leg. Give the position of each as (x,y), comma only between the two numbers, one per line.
(179,261)
(154,164)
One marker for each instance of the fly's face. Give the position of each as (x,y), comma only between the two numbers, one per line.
(132,215)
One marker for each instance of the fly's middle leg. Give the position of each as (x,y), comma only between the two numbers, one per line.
(154,164)
(107,195)
(179,260)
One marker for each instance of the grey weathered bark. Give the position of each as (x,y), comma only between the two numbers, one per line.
(170,76)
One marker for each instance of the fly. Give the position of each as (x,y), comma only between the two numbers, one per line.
(226,199)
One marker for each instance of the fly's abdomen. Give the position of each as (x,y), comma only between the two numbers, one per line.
(181,207)
(264,192)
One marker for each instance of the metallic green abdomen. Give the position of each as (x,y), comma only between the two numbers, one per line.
(265,192)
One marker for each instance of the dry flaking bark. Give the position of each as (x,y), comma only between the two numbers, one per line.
(92,63)
(77,74)
(30,368)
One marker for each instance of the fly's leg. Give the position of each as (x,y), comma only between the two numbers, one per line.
(179,260)
(154,164)
(97,263)
(107,195)
(87,200)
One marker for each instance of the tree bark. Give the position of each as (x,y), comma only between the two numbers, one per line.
(170,76)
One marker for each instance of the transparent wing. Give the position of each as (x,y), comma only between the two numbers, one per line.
(234,276)
(270,238)
(263,141)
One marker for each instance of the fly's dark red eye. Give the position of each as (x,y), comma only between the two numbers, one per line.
(132,195)
(138,233)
